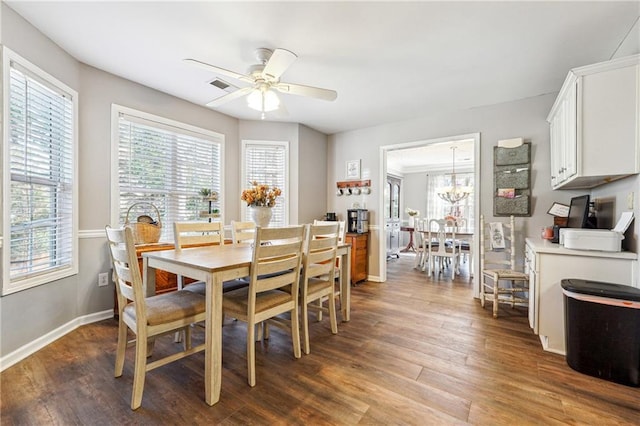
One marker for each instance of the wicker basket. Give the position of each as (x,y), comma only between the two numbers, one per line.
(144,232)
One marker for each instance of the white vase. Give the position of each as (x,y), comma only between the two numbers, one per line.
(412,221)
(261,215)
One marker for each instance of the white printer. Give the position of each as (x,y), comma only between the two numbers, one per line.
(596,239)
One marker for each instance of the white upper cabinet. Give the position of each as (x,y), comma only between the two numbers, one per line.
(595,125)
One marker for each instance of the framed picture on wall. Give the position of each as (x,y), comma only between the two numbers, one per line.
(353,169)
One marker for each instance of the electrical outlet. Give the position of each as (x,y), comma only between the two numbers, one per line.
(630,201)
(103,279)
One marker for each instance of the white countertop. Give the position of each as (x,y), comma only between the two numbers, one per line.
(545,246)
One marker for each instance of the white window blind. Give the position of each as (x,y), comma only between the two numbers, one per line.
(39,206)
(166,164)
(267,163)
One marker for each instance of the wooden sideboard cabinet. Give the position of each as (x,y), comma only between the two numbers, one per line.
(359,256)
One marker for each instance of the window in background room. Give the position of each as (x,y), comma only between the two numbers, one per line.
(438,208)
(266,162)
(165,163)
(39,175)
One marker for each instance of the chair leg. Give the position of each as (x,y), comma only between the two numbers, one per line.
(139,371)
(265,330)
(187,337)
(495,299)
(305,328)
(251,354)
(122,346)
(319,314)
(332,315)
(295,331)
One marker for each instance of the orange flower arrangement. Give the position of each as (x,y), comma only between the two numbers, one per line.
(260,195)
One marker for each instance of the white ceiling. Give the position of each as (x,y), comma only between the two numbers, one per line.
(433,157)
(388,61)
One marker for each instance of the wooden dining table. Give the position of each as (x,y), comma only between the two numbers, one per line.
(215,265)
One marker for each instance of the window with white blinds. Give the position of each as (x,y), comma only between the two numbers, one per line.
(164,163)
(267,162)
(39,171)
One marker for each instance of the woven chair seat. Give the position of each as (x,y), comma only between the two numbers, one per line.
(506,274)
(169,307)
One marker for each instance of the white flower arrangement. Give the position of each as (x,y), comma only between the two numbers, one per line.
(412,212)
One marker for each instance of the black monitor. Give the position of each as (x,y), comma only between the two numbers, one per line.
(579,212)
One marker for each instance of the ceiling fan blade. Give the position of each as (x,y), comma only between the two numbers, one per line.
(301,90)
(231,96)
(279,62)
(218,70)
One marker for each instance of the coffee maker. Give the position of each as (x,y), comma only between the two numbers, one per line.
(358,221)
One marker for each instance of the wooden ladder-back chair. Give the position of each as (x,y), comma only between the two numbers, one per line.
(440,245)
(273,287)
(147,317)
(342,235)
(318,275)
(242,232)
(501,283)
(196,234)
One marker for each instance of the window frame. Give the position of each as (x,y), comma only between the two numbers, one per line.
(244,209)
(116,110)
(10,285)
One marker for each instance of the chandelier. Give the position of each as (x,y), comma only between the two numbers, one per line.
(454,193)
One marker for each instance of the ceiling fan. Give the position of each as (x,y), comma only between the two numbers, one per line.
(264,80)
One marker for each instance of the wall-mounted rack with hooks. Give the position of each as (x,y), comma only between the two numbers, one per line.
(353,187)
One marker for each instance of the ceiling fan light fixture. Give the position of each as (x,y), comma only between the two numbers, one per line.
(263,101)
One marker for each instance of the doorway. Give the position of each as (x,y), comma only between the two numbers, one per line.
(434,157)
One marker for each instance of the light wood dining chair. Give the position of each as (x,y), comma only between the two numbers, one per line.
(147,317)
(501,282)
(243,232)
(196,234)
(342,235)
(273,288)
(318,276)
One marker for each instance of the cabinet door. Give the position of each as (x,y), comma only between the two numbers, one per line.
(563,139)
(530,268)
(570,140)
(556,151)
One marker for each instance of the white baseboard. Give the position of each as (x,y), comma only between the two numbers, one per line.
(34,346)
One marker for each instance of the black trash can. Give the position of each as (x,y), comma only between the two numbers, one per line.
(602,330)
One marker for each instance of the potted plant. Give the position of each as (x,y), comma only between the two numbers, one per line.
(208,195)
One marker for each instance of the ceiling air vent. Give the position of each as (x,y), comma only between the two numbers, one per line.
(223,85)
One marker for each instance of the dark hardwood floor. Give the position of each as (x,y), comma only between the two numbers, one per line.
(416,352)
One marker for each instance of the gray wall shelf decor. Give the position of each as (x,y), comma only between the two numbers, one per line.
(512,180)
